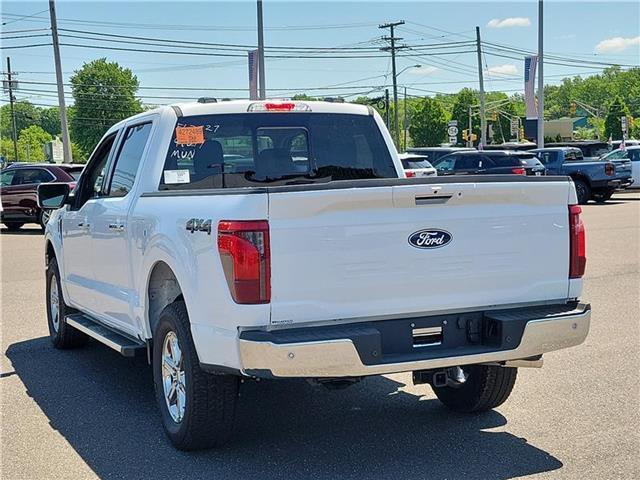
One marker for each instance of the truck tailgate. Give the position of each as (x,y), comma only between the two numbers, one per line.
(345,253)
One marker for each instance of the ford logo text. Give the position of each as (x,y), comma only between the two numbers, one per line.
(430,238)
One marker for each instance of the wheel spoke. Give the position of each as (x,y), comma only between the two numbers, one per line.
(173,377)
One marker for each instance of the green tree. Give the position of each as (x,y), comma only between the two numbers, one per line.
(104,94)
(50,120)
(612,123)
(31,142)
(428,124)
(26,114)
(460,111)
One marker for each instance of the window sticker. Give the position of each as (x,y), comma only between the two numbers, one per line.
(190,135)
(176,176)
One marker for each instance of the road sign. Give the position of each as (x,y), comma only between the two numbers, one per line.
(453,140)
(452,130)
(515,124)
(623,122)
(453,123)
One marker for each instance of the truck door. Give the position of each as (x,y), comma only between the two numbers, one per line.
(77,253)
(110,233)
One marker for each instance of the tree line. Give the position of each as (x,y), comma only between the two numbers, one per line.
(105,93)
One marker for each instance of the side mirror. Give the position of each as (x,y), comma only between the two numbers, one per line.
(53,195)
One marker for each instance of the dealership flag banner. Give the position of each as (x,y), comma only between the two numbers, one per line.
(253,74)
(530,64)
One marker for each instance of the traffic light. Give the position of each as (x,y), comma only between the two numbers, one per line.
(493,116)
(474,137)
(572,108)
(465,135)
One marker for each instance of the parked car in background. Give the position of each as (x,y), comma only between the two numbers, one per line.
(628,143)
(591,149)
(489,162)
(594,179)
(519,146)
(416,165)
(18,187)
(434,153)
(632,154)
(620,158)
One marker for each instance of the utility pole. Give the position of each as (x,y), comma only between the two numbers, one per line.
(404,123)
(540,78)
(469,132)
(64,126)
(14,131)
(392,39)
(483,119)
(261,80)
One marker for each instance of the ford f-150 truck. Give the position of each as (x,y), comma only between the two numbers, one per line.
(280,239)
(594,179)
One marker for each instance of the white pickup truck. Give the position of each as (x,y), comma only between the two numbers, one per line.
(280,239)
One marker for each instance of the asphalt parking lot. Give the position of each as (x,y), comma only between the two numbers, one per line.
(90,413)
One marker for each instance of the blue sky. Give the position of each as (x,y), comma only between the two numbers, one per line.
(597,31)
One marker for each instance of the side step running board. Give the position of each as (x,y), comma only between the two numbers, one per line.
(123,344)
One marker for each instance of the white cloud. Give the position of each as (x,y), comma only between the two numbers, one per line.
(509,22)
(617,44)
(424,70)
(506,69)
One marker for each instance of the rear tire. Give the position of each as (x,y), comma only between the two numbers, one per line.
(486,387)
(62,336)
(583,191)
(197,408)
(13,226)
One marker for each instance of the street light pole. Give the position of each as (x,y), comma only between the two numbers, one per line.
(261,80)
(540,77)
(392,38)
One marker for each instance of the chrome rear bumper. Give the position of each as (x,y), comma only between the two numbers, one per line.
(339,357)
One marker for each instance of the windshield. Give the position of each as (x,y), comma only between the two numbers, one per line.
(259,149)
(414,163)
(529,160)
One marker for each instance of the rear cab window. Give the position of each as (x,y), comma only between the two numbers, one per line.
(262,149)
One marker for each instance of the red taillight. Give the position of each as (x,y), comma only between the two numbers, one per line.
(609,169)
(577,243)
(246,259)
(518,171)
(409,173)
(279,107)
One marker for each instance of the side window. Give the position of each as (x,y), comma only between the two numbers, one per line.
(6,177)
(126,167)
(446,164)
(30,176)
(91,182)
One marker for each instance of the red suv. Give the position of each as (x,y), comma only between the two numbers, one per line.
(19,190)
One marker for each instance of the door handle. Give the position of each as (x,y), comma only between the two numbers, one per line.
(84,225)
(116,227)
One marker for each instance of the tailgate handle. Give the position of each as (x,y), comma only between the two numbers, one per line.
(432,199)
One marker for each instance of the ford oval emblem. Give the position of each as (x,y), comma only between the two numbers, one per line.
(430,238)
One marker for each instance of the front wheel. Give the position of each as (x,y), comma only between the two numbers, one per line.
(197,408)
(477,388)
(62,336)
